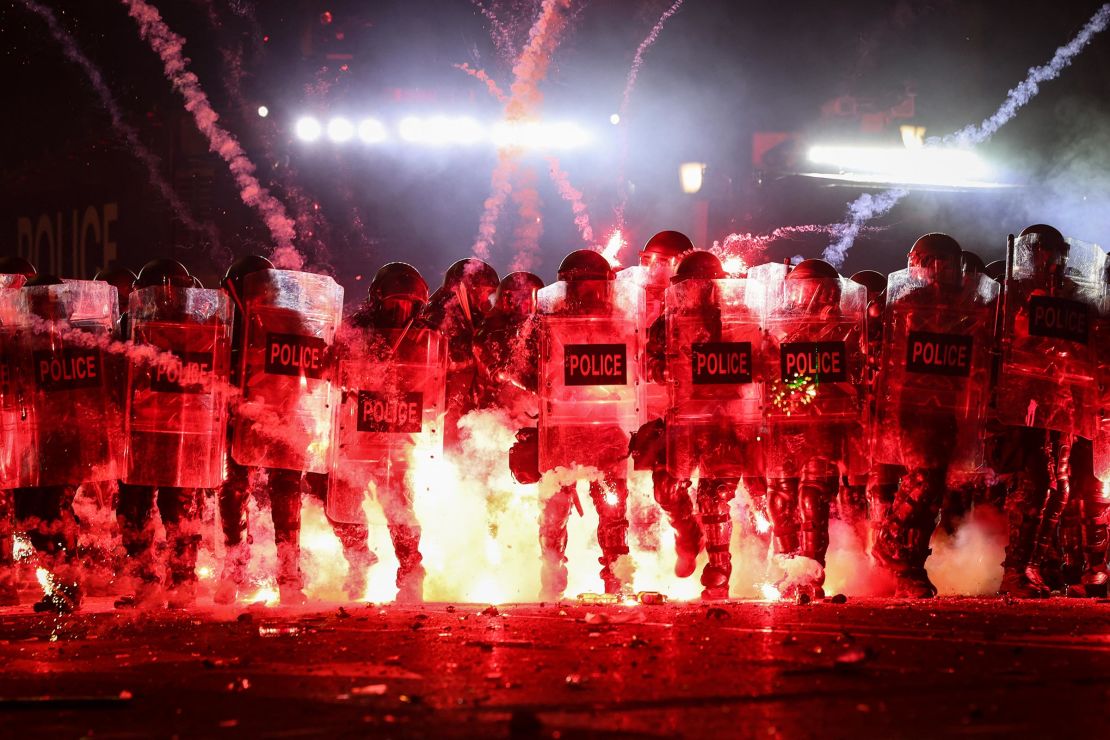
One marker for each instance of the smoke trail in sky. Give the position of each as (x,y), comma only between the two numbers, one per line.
(638,59)
(129,133)
(485,79)
(529,70)
(633,73)
(868,206)
(1030,86)
(573,196)
(860,211)
(529,226)
(170,47)
(502,39)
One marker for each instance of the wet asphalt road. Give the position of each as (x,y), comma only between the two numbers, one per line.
(868,668)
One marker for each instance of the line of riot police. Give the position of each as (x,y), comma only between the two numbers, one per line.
(896,403)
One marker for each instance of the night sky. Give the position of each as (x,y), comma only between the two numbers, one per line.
(719,72)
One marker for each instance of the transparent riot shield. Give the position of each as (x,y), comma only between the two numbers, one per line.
(391,415)
(715,376)
(933,385)
(814,354)
(9,407)
(1102,409)
(1047,374)
(652,282)
(590,389)
(177,398)
(57,375)
(284,418)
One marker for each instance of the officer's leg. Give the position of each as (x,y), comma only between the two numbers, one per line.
(1056,499)
(9,594)
(1093,515)
(882,487)
(714,498)
(232,499)
(135,518)
(554,514)
(782,506)
(354,537)
(853,504)
(673,497)
(1028,495)
(903,543)
(404,530)
(285,508)
(818,487)
(610,498)
(181,510)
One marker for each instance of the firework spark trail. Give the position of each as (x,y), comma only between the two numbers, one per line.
(531,68)
(308,219)
(500,187)
(749,248)
(626,98)
(141,152)
(502,39)
(529,229)
(867,206)
(1020,95)
(573,196)
(169,47)
(485,79)
(528,71)
(638,59)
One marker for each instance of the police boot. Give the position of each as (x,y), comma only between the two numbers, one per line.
(1072,554)
(880,499)
(612,531)
(410,571)
(1015,582)
(814,497)
(553,543)
(410,584)
(911,580)
(553,577)
(688,543)
(716,521)
(234,573)
(182,568)
(290,578)
(1045,537)
(356,551)
(1093,582)
(782,508)
(673,497)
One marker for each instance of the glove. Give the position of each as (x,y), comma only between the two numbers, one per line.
(648,446)
(524,456)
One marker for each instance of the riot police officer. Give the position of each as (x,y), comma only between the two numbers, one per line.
(588,408)
(931,398)
(814,406)
(176,427)
(392,377)
(457,310)
(713,368)
(282,360)
(14,271)
(1047,384)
